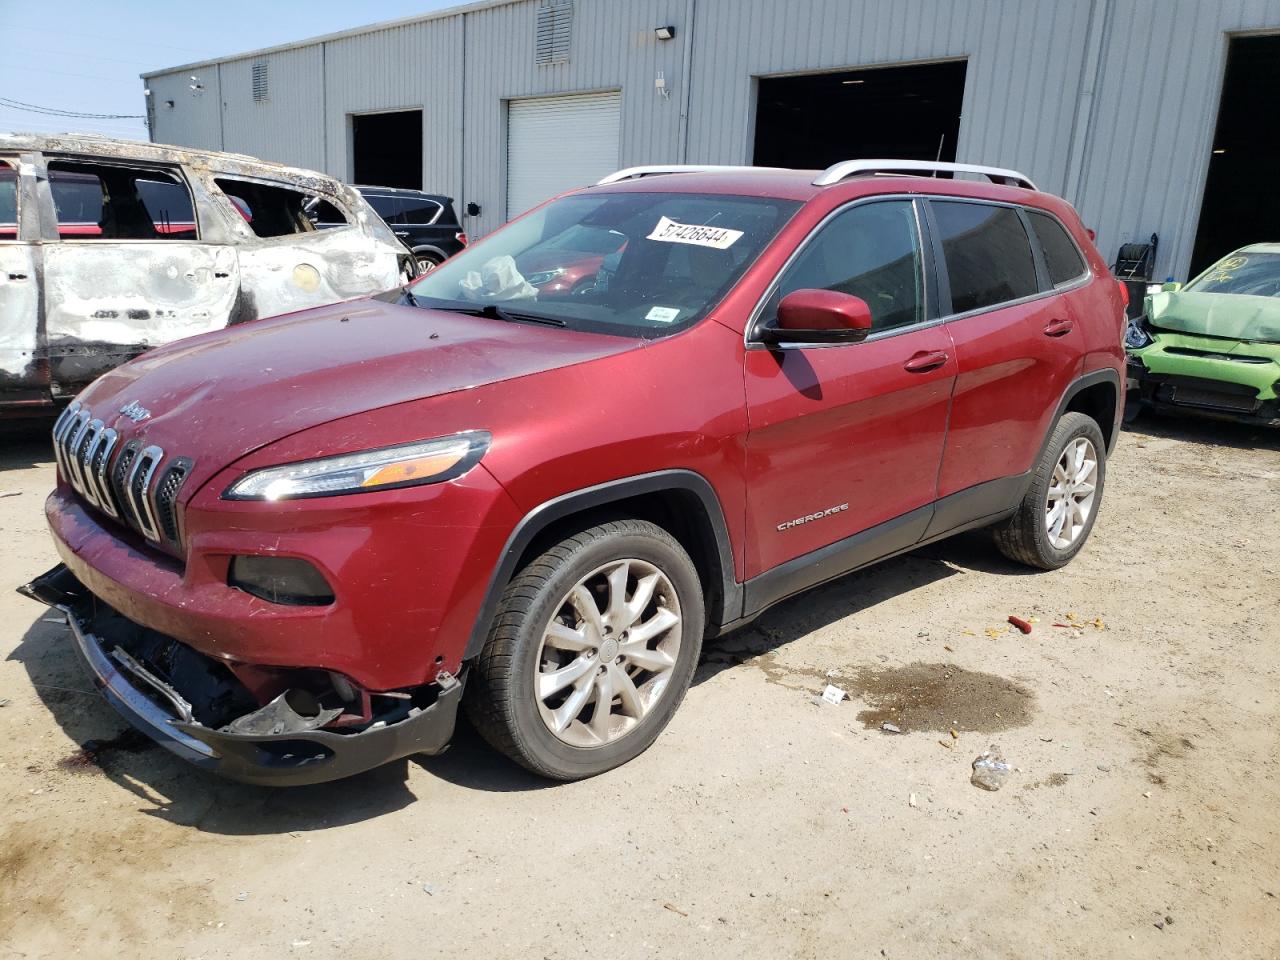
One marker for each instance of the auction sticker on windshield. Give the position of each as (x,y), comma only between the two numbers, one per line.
(670,231)
(663,314)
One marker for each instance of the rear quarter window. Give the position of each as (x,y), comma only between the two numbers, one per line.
(987,252)
(1061,255)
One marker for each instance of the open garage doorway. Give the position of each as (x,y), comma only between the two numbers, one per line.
(814,120)
(386,149)
(1240,206)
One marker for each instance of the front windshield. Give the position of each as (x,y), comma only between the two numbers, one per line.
(1251,274)
(635,264)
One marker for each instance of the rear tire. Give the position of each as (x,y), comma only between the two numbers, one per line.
(427,261)
(610,617)
(1056,515)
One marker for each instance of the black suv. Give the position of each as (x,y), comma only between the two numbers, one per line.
(425,222)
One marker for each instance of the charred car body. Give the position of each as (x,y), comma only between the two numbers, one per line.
(109,248)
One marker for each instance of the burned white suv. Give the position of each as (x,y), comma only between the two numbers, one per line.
(109,247)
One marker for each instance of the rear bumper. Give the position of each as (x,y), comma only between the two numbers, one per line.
(288,759)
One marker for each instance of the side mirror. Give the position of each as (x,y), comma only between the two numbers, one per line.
(1170,287)
(819,316)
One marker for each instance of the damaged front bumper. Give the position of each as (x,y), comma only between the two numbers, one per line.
(247,749)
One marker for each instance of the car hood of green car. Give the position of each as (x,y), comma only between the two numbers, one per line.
(1227,316)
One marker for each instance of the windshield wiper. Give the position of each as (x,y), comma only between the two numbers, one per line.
(495,312)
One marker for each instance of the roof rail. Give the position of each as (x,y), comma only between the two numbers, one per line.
(635,173)
(851,168)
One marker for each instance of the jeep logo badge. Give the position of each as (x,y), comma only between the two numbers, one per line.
(135,411)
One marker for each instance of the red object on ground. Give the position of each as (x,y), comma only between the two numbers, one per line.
(1020,624)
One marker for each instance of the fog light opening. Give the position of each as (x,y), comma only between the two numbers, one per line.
(290,581)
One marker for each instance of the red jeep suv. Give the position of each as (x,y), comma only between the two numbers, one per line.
(291,549)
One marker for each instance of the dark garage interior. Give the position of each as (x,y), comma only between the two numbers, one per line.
(1239,206)
(387,149)
(817,119)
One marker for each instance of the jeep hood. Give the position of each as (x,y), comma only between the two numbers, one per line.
(221,395)
(1230,316)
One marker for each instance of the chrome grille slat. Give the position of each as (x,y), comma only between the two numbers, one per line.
(129,482)
(138,490)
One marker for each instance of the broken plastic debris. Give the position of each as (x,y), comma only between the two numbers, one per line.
(278,717)
(1021,624)
(888,727)
(832,694)
(911,800)
(989,769)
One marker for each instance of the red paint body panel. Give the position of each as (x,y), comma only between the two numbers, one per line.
(776,434)
(835,425)
(1011,376)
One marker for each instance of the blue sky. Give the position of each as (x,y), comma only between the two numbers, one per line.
(85,55)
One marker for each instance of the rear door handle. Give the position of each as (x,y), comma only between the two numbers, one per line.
(1059,328)
(401,233)
(925,360)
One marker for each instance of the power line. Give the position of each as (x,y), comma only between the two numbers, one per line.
(55,112)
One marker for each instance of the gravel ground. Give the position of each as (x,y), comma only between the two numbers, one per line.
(1142,818)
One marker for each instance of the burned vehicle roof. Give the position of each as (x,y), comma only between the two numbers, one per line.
(112,247)
(91,145)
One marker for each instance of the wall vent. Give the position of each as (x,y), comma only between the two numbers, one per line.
(260,92)
(555,26)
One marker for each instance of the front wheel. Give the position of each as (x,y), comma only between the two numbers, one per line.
(1057,513)
(591,651)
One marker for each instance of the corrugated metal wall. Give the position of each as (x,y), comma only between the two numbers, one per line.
(289,124)
(1109,102)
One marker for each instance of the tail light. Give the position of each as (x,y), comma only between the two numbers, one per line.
(1124,305)
(461,238)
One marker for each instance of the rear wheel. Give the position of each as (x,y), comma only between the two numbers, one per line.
(591,652)
(427,261)
(1057,513)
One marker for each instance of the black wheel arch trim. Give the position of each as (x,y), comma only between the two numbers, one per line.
(594,497)
(1083,382)
(428,248)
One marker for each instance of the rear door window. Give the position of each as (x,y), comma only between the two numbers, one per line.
(1061,255)
(383,206)
(987,252)
(98,201)
(418,210)
(8,201)
(278,211)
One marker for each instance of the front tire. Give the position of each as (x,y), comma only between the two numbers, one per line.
(1056,515)
(591,651)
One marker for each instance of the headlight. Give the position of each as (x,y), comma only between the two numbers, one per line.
(407,465)
(546,276)
(1135,337)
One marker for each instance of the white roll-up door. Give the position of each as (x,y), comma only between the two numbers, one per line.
(559,143)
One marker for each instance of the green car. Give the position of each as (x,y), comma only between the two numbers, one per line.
(1212,347)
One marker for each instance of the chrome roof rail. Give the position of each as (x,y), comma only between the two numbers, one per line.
(635,173)
(849,168)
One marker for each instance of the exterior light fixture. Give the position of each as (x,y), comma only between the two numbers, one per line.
(665,33)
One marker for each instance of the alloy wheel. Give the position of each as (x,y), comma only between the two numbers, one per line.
(1071,493)
(607,653)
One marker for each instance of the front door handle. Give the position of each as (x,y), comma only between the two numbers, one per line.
(1059,328)
(925,361)
(401,233)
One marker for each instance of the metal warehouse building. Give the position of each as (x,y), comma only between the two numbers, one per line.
(1149,115)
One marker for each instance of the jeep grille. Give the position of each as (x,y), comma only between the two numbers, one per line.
(132,483)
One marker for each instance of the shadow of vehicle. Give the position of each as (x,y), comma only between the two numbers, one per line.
(101,743)
(25,443)
(182,794)
(1193,429)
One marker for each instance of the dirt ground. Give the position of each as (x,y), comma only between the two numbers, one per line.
(1142,819)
